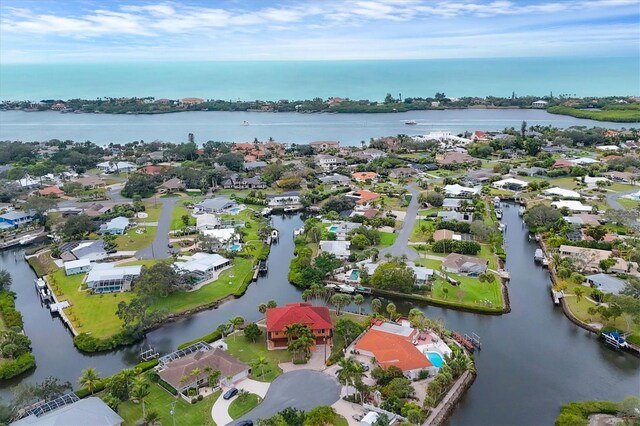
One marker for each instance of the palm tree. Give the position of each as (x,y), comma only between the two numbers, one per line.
(89,379)
(195,373)
(307,295)
(579,291)
(272,304)
(358,299)
(376,305)
(260,363)
(223,328)
(236,323)
(262,308)
(183,381)
(151,418)
(140,391)
(391,310)
(5,279)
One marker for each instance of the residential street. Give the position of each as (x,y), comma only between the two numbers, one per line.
(159,249)
(612,198)
(401,246)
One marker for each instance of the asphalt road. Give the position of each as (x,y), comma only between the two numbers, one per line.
(612,198)
(401,246)
(302,389)
(159,249)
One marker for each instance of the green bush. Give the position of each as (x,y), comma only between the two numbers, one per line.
(87,343)
(577,413)
(143,366)
(14,367)
(11,316)
(99,387)
(211,337)
(168,387)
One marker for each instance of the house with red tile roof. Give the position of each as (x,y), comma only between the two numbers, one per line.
(52,191)
(362,196)
(317,318)
(364,176)
(562,164)
(151,170)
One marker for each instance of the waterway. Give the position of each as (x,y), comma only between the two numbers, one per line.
(349,129)
(533,359)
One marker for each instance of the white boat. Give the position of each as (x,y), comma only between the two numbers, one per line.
(245,123)
(266,211)
(346,288)
(538,255)
(499,214)
(298,231)
(411,122)
(291,209)
(274,234)
(521,210)
(27,239)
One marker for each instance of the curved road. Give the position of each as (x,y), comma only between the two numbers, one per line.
(301,389)
(612,198)
(401,245)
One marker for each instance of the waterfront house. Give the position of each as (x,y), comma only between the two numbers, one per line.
(214,205)
(340,249)
(606,283)
(116,166)
(342,229)
(335,179)
(362,196)
(510,184)
(69,410)
(279,319)
(572,205)
(174,367)
(329,162)
(16,218)
(561,193)
(170,186)
(463,264)
(452,203)
(203,266)
(116,226)
(87,249)
(324,145)
(460,191)
(291,200)
(448,216)
(480,136)
(109,278)
(588,259)
(191,101)
(422,275)
(540,104)
(364,176)
(74,267)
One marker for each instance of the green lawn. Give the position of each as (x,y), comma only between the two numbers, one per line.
(487,253)
(159,400)
(153,211)
(90,313)
(628,204)
(387,239)
(217,290)
(247,351)
(242,405)
(417,234)
(180,210)
(132,240)
(621,187)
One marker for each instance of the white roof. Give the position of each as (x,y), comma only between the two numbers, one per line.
(120,165)
(608,147)
(73,264)
(339,248)
(223,234)
(510,181)
(459,189)
(119,222)
(561,192)
(584,160)
(370,418)
(109,271)
(572,205)
(421,272)
(206,219)
(202,262)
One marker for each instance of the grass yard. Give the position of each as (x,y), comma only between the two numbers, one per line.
(621,187)
(153,212)
(132,240)
(487,253)
(242,405)
(247,351)
(217,290)
(89,313)
(180,210)
(387,239)
(159,400)
(628,204)
(567,182)
(420,235)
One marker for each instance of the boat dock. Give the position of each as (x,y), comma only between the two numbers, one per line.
(466,343)
(54,305)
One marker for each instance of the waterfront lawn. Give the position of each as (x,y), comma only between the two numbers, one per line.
(242,405)
(217,290)
(133,241)
(89,313)
(159,400)
(247,352)
(471,292)
(387,239)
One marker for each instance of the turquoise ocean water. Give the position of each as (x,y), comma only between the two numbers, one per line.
(302,80)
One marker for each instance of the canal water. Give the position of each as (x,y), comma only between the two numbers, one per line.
(533,359)
(349,129)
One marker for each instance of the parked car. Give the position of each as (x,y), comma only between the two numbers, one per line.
(170,245)
(245,423)
(357,417)
(230,393)
(364,365)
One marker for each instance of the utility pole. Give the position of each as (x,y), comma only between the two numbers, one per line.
(173,412)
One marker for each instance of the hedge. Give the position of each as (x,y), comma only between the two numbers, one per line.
(211,337)
(11,316)
(577,413)
(139,368)
(87,343)
(14,367)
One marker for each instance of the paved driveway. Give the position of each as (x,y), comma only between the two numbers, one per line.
(400,246)
(159,249)
(220,410)
(302,389)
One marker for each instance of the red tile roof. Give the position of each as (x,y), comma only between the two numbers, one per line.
(50,190)
(392,349)
(151,170)
(363,196)
(562,163)
(316,317)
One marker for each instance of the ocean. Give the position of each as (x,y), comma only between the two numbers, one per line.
(295,80)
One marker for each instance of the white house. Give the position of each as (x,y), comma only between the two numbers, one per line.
(582,161)
(207,221)
(573,205)
(561,192)
(461,191)
(339,248)
(608,148)
(116,166)
(109,278)
(203,266)
(511,184)
(116,226)
(77,266)
(285,201)
(329,162)
(540,104)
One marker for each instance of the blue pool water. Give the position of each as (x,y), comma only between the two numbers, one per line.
(435,358)
(234,247)
(355,274)
(333,228)
(235,209)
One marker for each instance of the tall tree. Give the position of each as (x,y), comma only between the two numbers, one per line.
(89,379)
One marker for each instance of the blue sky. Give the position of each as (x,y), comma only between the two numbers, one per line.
(41,31)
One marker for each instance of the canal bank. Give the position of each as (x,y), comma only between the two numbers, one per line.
(531,361)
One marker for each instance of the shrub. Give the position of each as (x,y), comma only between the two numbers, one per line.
(11,316)
(14,367)
(211,337)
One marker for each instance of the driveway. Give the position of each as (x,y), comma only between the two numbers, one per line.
(220,410)
(302,389)
(400,246)
(159,249)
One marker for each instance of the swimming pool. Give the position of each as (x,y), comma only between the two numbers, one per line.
(355,274)
(333,228)
(235,209)
(234,247)
(435,358)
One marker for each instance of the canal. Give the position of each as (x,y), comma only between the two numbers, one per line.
(532,360)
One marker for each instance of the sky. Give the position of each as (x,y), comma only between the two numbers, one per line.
(54,31)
